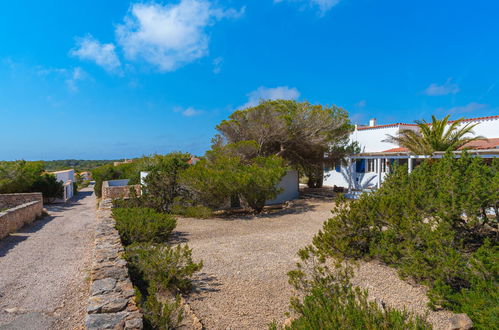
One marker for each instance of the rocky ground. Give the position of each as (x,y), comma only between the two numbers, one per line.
(44,268)
(244,285)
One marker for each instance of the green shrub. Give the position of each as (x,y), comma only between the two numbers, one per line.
(143,225)
(331,302)
(48,185)
(19,176)
(162,184)
(434,225)
(198,211)
(164,267)
(223,174)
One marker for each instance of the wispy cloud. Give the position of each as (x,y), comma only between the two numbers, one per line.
(71,76)
(76,75)
(188,112)
(170,36)
(445,89)
(264,93)
(323,6)
(468,108)
(104,55)
(217,65)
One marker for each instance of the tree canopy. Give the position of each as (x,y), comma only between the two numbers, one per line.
(299,132)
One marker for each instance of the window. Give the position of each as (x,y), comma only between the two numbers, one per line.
(383,165)
(360,166)
(371,165)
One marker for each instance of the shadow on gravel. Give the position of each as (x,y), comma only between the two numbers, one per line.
(178,237)
(12,240)
(205,283)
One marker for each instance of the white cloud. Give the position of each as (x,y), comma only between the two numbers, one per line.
(468,108)
(91,49)
(361,104)
(75,76)
(322,5)
(190,112)
(217,65)
(447,88)
(170,36)
(264,93)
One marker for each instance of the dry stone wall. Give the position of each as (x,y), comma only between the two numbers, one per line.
(118,192)
(112,299)
(18,210)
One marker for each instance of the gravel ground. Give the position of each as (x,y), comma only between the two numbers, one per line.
(244,283)
(44,267)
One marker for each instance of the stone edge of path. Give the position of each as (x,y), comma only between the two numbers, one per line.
(112,298)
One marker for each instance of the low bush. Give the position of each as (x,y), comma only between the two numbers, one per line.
(160,272)
(436,225)
(168,268)
(143,225)
(50,188)
(224,175)
(331,302)
(198,211)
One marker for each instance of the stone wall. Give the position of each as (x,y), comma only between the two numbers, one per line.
(112,298)
(18,210)
(117,192)
(8,201)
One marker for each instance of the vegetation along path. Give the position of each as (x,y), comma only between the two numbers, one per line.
(43,268)
(244,282)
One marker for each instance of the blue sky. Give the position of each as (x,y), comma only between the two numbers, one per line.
(113,79)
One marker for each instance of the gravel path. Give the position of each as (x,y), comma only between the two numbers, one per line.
(44,267)
(244,283)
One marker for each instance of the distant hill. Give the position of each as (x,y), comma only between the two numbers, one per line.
(78,164)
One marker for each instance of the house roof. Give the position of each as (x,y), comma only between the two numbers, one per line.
(361,128)
(482,144)
(62,171)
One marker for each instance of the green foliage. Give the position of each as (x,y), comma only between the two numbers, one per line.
(161,315)
(19,176)
(198,211)
(48,185)
(331,302)
(433,225)
(440,135)
(224,174)
(299,132)
(162,184)
(79,165)
(168,268)
(143,225)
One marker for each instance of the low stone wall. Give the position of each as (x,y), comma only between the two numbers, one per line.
(8,201)
(112,298)
(21,209)
(117,192)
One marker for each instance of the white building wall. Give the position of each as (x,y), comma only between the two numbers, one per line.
(290,186)
(371,139)
(488,128)
(67,178)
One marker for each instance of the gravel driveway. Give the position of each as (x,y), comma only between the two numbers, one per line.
(43,268)
(244,283)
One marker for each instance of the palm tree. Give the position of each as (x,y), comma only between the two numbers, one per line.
(435,136)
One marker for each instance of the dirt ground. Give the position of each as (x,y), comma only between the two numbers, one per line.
(244,283)
(44,268)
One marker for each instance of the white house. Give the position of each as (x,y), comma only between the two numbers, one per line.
(67,177)
(369,168)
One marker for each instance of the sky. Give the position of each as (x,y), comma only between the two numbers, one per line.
(119,79)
